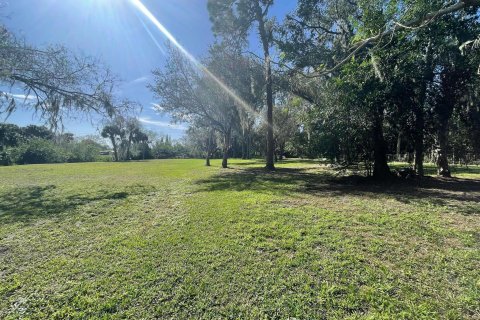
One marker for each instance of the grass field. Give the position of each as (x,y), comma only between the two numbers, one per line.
(174,239)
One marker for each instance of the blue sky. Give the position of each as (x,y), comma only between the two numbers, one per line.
(113,31)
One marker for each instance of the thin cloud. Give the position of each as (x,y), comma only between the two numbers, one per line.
(162,124)
(22,97)
(138,81)
(156,107)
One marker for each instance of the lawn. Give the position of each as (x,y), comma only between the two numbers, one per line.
(173,239)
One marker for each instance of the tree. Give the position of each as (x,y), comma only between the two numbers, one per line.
(233,19)
(115,133)
(54,82)
(34,131)
(316,36)
(378,47)
(134,135)
(203,140)
(10,135)
(285,124)
(458,81)
(82,150)
(395,17)
(123,133)
(190,95)
(37,151)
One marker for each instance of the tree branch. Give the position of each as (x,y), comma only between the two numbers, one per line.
(304,24)
(415,23)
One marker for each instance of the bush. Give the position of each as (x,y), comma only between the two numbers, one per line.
(38,151)
(84,151)
(5,158)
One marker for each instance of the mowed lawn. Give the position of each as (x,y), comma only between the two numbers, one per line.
(175,240)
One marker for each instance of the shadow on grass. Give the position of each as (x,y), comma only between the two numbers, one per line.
(249,163)
(461,195)
(28,203)
(431,169)
(261,162)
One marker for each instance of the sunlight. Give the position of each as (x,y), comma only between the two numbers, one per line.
(149,15)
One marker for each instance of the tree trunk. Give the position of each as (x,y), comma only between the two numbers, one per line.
(209,147)
(244,143)
(209,153)
(419,112)
(418,143)
(441,153)
(444,112)
(399,146)
(269,86)
(270,143)
(282,151)
(381,170)
(226,148)
(249,142)
(129,143)
(115,149)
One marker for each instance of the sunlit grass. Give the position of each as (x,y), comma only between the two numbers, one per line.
(175,239)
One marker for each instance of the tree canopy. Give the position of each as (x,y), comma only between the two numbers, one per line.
(376,79)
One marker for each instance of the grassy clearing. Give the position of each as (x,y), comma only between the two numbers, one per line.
(174,239)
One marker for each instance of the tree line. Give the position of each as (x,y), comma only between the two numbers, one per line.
(351,81)
(35,144)
(38,144)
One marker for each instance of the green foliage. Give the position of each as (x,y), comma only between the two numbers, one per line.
(37,151)
(84,151)
(6,157)
(165,148)
(126,135)
(10,135)
(35,144)
(382,94)
(39,132)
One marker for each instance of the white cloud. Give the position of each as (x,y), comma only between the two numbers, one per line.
(162,124)
(138,81)
(22,97)
(156,107)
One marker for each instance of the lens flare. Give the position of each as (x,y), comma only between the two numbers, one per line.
(149,15)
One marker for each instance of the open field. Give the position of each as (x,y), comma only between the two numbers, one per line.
(174,239)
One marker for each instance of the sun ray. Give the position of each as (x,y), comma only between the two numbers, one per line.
(149,15)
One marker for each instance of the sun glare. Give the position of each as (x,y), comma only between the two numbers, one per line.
(149,15)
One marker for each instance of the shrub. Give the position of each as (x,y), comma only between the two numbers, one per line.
(37,151)
(84,151)
(5,158)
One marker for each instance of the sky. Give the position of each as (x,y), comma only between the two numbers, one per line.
(116,33)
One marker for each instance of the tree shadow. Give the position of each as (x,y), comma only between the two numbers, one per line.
(461,195)
(431,169)
(261,162)
(249,162)
(26,204)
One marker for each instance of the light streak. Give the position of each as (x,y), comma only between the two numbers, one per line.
(149,15)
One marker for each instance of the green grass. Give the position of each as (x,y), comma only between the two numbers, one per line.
(174,239)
